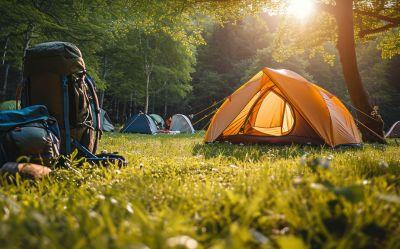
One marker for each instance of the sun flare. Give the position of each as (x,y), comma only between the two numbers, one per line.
(301,9)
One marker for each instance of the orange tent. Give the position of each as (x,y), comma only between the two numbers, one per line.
(280,106)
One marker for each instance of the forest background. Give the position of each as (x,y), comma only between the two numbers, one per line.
(170,57)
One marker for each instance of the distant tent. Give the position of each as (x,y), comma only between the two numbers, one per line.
(158,120)
(282,107)
(140,123)
(394,131)
(182,124)
(8,105)
(105,121)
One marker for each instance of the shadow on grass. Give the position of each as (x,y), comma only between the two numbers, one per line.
(261,152)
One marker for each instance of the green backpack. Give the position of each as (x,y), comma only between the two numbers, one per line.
(29,135)
(55,76)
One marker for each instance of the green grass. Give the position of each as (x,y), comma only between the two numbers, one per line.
(177,191)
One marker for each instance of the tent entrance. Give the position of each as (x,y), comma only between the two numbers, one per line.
(272,115)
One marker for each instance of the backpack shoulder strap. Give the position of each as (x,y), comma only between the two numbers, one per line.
(65,101)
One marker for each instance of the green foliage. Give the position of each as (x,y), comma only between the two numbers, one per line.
(375,72)
(230,53)
(219,44)
(234,53)
(178,192)
(373,20)
(108,34)
(167,62)
(296,37)
(390,44)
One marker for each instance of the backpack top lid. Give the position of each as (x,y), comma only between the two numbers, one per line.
(13,118)
(61,58)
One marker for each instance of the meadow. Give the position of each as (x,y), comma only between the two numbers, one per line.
(177,192)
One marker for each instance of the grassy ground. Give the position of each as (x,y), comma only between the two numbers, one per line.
(178,192)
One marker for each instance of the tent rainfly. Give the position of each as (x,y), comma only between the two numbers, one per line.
(158,120)
(140,123)
(182,124)
(282,107)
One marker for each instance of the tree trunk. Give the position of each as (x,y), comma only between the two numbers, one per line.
(165,103)
(371,125)
(101,98)
(146,107)
(6,70)
(130,104)
(148,68)
(3,91)
(117,110)
(5,50)
(124,112)
(104,79)
(27,41)
(153,103)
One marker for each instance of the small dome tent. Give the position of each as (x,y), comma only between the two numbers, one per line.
(140,123)
(394,131)
(282,107)
(182,124)
(105,121)
(158,120)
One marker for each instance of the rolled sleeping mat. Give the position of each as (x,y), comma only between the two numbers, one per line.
(26,170)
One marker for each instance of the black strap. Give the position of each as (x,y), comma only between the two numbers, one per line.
(3,153)
(92,89)
(100,159)
(67,129)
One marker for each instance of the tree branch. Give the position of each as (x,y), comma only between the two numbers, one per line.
(377,16)
(366,32)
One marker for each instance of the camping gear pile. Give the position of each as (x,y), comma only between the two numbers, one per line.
(282,107)
(66,115)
